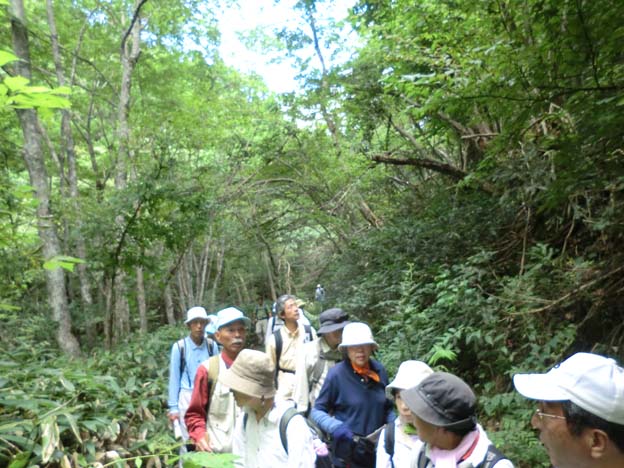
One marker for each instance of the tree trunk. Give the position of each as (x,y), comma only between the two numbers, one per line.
(269,271)
(70,154)
(129,58)
(33,157)
(141,300)
(169,312)
(217,277)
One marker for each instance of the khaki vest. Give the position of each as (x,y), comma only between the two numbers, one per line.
(222,414)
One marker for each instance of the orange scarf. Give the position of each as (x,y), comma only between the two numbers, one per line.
(365,372)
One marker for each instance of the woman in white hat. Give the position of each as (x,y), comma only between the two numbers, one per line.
(398,438)
(257,438)
(352,403)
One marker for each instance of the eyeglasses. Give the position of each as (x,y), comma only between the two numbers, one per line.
(541,415)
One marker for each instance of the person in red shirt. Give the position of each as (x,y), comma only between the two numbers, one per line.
(212,413)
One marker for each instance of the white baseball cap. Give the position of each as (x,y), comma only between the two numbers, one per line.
(593,382)
(357,333)
(229,315)
(196,313)
(410,374)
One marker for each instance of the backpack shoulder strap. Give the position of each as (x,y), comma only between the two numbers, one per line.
(492,457)
(210,344)
(308,332)
(422,458)
(283,425)
(389,440)
(180,344)
(279,343)
(212,365)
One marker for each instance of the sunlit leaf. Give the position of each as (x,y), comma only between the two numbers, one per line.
(49,438)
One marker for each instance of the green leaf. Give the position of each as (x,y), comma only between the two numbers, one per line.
(62,261)
(49,438)
(16,83)
(6,57)
(21,459)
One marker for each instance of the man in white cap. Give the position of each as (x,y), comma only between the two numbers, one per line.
(212,412)
(398,438)
(260,438)
(186,356)
(580,411)
(319,356)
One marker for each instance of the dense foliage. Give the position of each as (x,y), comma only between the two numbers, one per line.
(458,183)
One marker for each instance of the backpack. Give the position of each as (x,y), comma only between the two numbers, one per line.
(212,366)
(209,343)
(279,343)
(492,457)
(321,461)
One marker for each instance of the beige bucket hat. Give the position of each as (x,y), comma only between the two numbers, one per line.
(251,373)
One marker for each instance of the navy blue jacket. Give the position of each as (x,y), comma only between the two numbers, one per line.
(348,398)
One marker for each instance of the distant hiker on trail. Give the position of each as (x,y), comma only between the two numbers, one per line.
(258,440)
(580,411)
(319,294)
(319,356)
(397,439)
(284,346)
(186,356)
(352,403)
(212,412)
(443,407)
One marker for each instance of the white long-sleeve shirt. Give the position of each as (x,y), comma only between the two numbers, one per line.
(258,443)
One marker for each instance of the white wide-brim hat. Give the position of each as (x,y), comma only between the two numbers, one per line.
(196,313)
(410,374)
(356,334)
(591,381)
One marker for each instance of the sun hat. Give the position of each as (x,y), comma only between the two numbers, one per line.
(332,320)
(357,333)
(229,315)
(410,374)
(300,302)
(196,313)
(444,400)
(591,381)
(212,325)
(252,373)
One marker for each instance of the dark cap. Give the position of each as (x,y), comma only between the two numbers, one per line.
(444,400)
(332,320)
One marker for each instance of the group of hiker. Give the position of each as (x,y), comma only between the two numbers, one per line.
(320,398)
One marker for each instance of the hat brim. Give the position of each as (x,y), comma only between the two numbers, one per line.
(539,387)
(331,327)
(237,383)
(348,345)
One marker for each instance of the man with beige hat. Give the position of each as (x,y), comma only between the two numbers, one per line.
(257,440)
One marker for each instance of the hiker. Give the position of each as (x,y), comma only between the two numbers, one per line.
(285,345)
(580,411)
(211,328)
(318,357)
(352,403)
(186,356)
(274,322)
(257,438)
(319,294)
(443,408)
(397,439)
(212,412)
